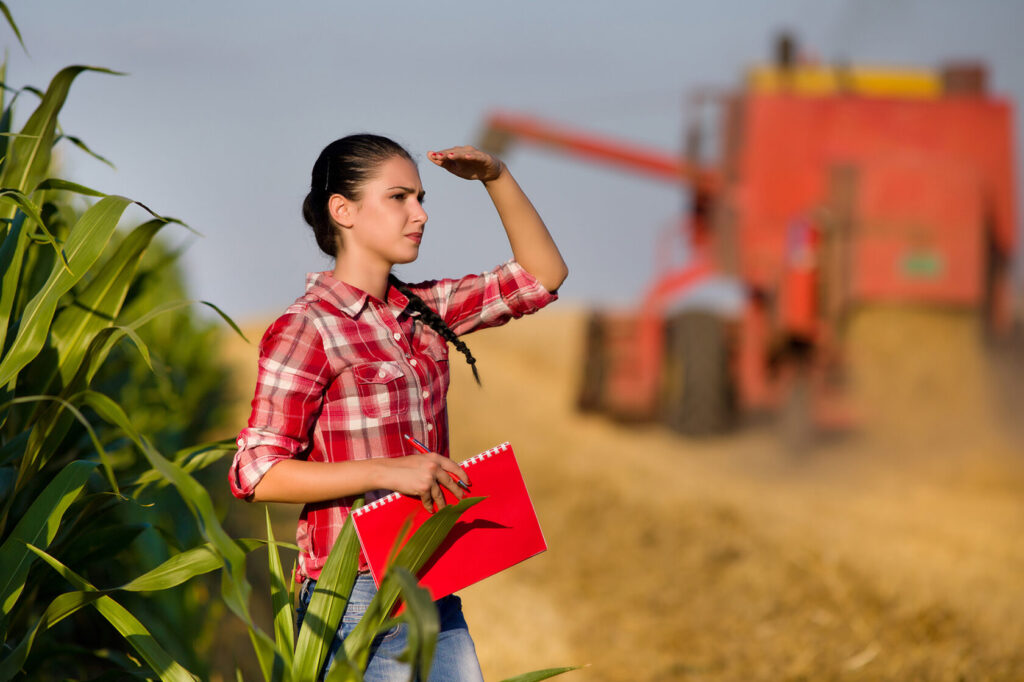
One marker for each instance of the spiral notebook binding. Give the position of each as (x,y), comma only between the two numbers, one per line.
(380,502)
(469,462)
(487,453)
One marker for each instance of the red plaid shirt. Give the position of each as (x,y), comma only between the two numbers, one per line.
(343,375)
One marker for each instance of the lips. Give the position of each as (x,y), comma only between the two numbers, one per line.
(415,236)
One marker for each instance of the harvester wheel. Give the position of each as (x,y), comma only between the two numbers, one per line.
(592,378)
(697,395)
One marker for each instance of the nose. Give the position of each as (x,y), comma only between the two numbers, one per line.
(419,215)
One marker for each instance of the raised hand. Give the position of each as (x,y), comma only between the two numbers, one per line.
(468,162)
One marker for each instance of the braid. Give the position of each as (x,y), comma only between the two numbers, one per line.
(436,322)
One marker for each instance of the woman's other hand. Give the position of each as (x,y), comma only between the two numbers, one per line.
(468,162)
(423,475)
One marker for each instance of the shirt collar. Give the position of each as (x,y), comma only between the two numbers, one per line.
(347,298)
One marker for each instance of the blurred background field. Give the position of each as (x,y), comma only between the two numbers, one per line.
(891,553)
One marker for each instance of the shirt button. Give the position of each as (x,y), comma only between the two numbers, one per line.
(426,394)
(381,374)
(430,427)
(398,337)
(413,362)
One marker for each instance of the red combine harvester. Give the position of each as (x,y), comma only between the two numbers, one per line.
(834,187)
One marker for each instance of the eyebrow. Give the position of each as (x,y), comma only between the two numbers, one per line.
(408,190)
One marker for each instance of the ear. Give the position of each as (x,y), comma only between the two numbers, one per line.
(341,209)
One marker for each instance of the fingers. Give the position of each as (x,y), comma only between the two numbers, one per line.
(430,474)
(464,151)
(458,478)
(467,162)
(449,475)
(434,499)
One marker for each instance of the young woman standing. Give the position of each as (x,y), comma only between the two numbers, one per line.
(362,359)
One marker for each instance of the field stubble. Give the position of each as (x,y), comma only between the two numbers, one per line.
(892,553)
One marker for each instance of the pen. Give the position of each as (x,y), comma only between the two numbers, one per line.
(423,449)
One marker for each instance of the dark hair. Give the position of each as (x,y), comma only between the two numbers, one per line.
(343,167)
(436,322)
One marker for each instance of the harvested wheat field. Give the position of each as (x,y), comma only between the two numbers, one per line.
(896,553)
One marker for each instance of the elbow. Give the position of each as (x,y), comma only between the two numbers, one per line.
(553,280)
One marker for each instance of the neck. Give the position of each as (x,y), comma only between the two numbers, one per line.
(370,277)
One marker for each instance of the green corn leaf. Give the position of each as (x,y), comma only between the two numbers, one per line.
(100,346)
(224,316)
(124,622)
(38,527)
(12,449)
(14,26)
(175,305)
(59,609)
(235,587)
(68,186)
(29,155)
(12,254)
(343,671)
(49,426)
(422,620)
(326,606)
(87,240)
(538,675)
(29,208)
(85,148)
(183,567)
(195,495)
(98,305)
(190,459)
(28,463)
(431,534)
(284,635)
(176,570)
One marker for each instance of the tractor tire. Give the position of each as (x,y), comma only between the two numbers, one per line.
(589,398)
(697,396)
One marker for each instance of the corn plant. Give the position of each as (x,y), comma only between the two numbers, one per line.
(81,500)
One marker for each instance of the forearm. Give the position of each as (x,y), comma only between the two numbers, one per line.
(300,481)
(532,245)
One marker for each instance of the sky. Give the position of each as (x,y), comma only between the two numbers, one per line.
(226,105)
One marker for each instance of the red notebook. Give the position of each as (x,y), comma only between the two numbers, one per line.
(497,532)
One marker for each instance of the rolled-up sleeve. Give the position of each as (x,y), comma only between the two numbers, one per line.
(491,299)
(293,372)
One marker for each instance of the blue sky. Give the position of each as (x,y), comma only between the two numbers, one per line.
(227,105)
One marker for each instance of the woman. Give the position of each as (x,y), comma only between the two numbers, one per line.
(362,359)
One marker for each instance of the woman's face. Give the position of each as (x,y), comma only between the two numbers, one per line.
(386,223)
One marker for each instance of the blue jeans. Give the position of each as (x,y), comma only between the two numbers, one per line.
(454,658)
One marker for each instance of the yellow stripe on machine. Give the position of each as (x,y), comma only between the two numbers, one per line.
(832,80)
